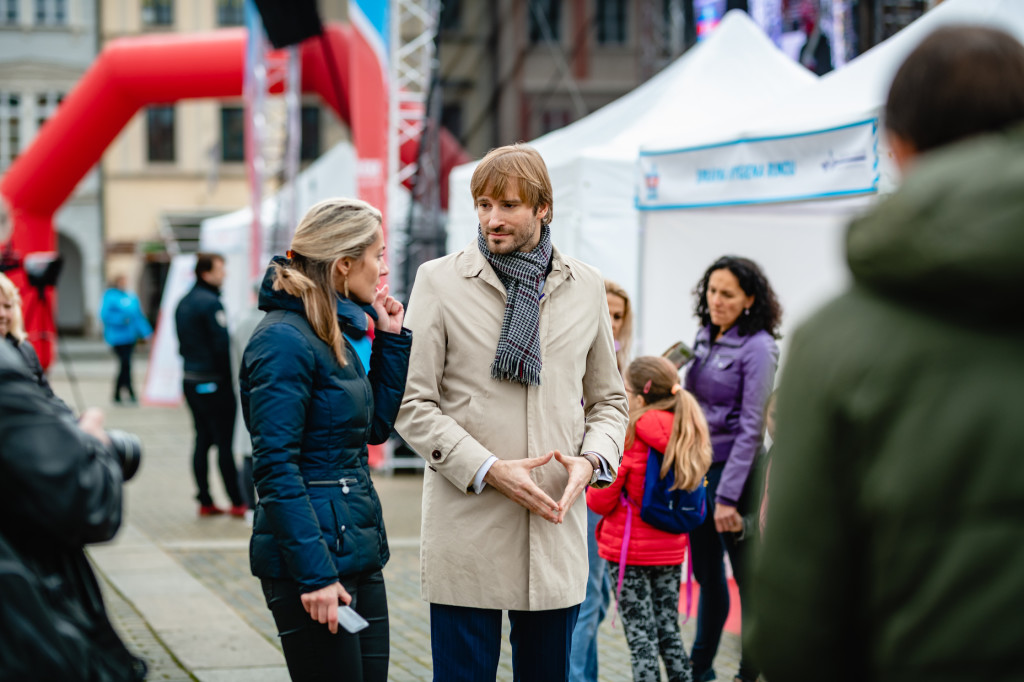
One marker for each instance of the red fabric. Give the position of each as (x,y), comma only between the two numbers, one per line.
(648,546)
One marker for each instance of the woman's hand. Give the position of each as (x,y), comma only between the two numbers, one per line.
(390,313)
(322,605)
(727,519)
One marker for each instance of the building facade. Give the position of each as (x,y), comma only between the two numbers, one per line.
(177,163)
(45,47)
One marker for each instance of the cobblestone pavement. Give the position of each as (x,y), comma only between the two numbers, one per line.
(160,504)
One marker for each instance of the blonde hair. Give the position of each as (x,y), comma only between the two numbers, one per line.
(655,380)
(626,333)
(330,231)
(521,167)
(11,293)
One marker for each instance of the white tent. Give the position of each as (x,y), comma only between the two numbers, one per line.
(592,161)
(779,186)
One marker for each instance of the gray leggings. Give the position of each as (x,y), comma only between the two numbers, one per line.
(649,605)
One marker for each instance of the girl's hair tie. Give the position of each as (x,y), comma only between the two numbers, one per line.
(675,388)
(647,387)
(289,254)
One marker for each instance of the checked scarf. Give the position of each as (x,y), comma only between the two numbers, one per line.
(517,357)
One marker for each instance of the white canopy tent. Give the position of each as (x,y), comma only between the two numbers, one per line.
(778,187)
(592,161)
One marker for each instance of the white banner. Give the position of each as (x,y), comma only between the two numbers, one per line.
(836,162)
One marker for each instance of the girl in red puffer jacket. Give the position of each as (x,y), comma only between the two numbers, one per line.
(665,417)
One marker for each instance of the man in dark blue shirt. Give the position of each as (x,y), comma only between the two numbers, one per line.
(209,389)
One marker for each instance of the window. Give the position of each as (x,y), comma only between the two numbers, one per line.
(9,13)
(51,12)
(230,13)
(545,20)
(451,12)
(451,119)
(46,106)
(232,134)
(157,12)
(310,147)
(553,119)
(10,127)
(160,133)
(611,21)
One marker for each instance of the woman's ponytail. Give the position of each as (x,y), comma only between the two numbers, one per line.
(316,289)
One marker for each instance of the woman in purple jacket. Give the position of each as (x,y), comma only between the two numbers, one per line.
(731,375)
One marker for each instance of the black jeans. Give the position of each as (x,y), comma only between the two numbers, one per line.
(707,551)
(313,653)
(213,412)
(124,372)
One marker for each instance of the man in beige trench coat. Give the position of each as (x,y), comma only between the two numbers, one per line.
(515,402)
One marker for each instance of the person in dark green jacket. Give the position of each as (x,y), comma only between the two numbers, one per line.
(894,541)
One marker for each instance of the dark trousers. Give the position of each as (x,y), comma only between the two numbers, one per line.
(707,551)
(213,413)
(313,653)
(124,372)
(466,643)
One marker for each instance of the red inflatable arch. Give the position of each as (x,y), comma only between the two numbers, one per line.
(131,73)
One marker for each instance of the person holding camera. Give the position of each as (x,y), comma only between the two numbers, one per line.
(60,489)
(311,409)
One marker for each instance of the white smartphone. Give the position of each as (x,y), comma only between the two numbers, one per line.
(350,620)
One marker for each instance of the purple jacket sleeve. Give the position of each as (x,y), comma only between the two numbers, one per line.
(760,359)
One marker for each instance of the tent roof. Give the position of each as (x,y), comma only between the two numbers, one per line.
(737,67)
(853,92)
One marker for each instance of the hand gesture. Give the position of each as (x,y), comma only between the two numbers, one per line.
(322,605)
(512,479)
(727,519)
(91,422)
(580,470)
(390,313)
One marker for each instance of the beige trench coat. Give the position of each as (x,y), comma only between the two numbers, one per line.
(485,550)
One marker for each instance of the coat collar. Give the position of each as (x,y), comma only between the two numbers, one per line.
(471,263)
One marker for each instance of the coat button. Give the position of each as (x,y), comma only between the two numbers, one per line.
(436,454)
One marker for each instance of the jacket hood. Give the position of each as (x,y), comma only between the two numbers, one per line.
(654,428)
(955,228)
(351,315)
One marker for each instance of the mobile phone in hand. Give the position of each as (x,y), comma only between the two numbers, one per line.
(350,620)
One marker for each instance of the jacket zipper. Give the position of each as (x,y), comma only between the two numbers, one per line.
(343,482)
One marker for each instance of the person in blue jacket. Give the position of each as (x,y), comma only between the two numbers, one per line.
(311,409)
(123,325)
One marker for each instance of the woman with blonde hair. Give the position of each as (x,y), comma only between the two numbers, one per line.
(621,311)
(311,408)
(12,330)
(668,419)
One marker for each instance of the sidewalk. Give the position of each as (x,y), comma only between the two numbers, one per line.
(178,587)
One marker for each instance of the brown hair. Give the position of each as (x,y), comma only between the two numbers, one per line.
(331,230)
(960,81)
(519,167)
(205,261)
(655,380)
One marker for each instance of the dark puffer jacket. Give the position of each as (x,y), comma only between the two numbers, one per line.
(318,517)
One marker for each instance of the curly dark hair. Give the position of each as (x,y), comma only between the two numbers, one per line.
(765,313)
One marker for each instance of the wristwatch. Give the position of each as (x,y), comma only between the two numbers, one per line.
(594,462)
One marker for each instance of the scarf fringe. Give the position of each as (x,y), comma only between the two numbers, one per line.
(506,368)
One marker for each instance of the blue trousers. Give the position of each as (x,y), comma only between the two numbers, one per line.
(465,643)
(583,660)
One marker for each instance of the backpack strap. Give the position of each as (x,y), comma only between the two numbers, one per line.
(630,507)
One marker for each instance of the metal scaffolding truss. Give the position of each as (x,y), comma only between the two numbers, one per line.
(413,29)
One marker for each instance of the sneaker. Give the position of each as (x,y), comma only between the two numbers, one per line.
(210,510)
(238,511)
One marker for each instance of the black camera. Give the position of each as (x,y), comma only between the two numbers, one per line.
(128,448)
